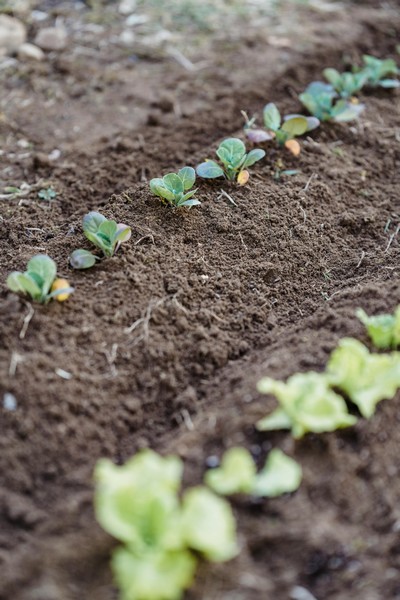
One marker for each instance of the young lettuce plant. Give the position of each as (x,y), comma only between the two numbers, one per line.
(346,84)
(365,378)
(238,474)
(306,404)
(282,130)
(377,72)
(320,100)
(235,160)
(105,234)
(140,504)
(174,188)
(384,330)
(40,281)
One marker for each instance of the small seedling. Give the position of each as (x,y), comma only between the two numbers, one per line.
(377,72)
(364,377)
(320,100)
(174,188)
(346,84)
(47,194)
(105,234)
(238,474)
(40,281)
(306,404)
(235,160)
(140,504)
(282,130)
(384,330)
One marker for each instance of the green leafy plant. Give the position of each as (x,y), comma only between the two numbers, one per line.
(283,130)
(40,281)
(174,188)
(364,377)
(234,159)
(346,84)
(384,330)
(377,72)
(140,504)
(320,100)
(237,474)
(306,404)
(47,194)
(105,234)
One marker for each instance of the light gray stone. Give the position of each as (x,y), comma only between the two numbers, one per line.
(30,52)
(52,38)
(12,33)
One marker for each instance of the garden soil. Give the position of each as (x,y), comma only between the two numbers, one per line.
(162,345)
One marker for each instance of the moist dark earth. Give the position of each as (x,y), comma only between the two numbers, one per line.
(164,343)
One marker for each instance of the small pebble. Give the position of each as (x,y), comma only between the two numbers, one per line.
(12,34)
(212,462)
(9,402)
(52,38)
(30,52)
(300,593)
(126,7)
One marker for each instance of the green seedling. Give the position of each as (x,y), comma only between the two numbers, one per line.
(384,330)
(346,84)
(47,194)
(105,234)
(238,474)
(365,378)
(140,504)
(174,188)
(306,404)
(40,281)
(377,72)
(283,130)
(234,159)
(320,100)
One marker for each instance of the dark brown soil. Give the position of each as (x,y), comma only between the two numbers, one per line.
(166,341)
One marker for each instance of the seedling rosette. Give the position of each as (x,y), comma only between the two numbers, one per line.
(105,234)
(320,99)
(377,72)
(346,84)
(283,130)
(384,330)
(40,281)
(234,162)
(307,404)
(140,503)
(238,474)
(175,188)
(364,377)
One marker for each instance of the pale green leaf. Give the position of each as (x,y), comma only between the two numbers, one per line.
(365,378)
(281,475)
(153,576)
(92,221)
(253,157)
(308,402)
(272,117)
(209,170)
(188,177)
(208,524)
(45,268)
(235,475)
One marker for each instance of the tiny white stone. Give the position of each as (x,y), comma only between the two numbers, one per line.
(126,7)
(30,52)
(9,402)
(52,38)
(63,374)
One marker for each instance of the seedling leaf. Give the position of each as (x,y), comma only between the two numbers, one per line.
(235,475)
(208,524)
(209,170)
(188,177)
(272,117)
(308,402)
(82,259)
(280,475)
(366,378)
